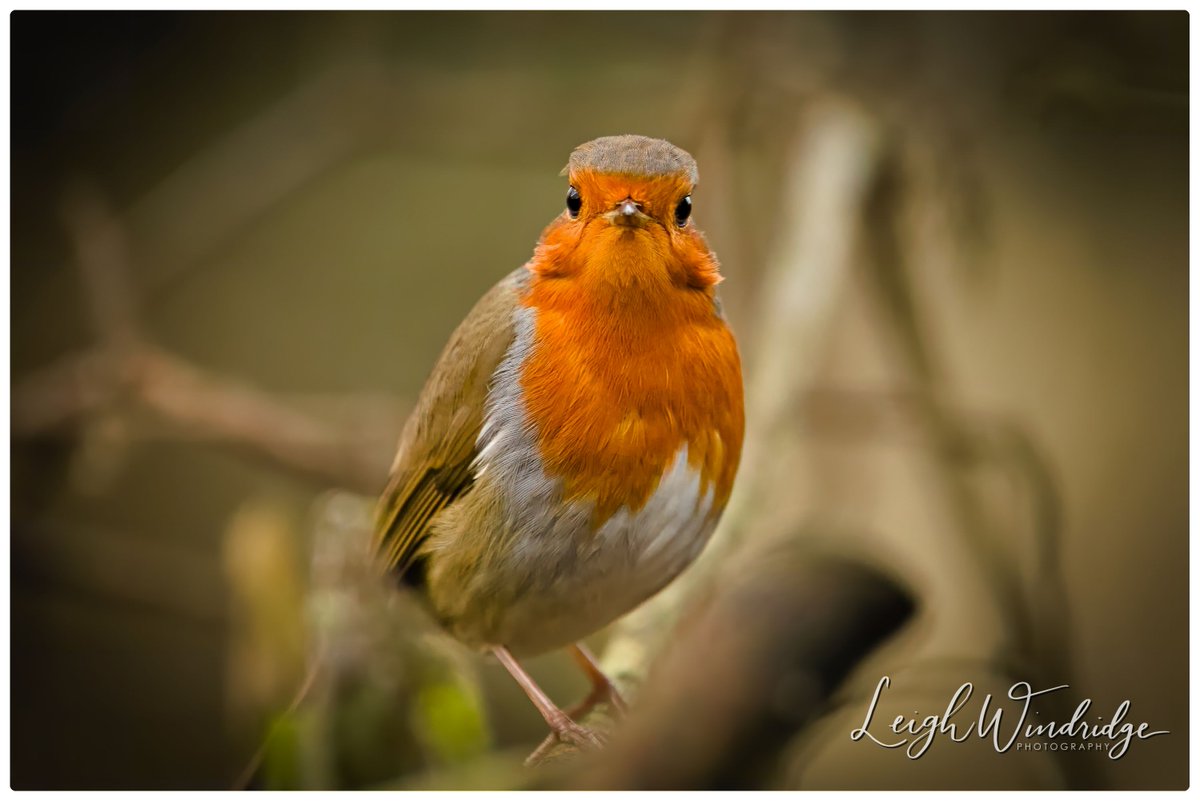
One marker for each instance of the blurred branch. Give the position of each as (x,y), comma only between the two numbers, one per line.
(256,423)
(781,633)
(123,370)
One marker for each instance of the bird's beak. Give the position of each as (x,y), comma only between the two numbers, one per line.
(627,213)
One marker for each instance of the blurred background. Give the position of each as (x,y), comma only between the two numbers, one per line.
(240,240)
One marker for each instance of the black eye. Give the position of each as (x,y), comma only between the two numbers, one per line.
(574,201)
(683,211)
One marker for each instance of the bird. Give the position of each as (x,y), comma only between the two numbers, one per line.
(578,438)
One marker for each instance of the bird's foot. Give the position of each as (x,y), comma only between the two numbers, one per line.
(579,736)
(568,732)
(572,733)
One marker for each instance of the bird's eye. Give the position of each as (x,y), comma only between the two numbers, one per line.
(574,201)
(683,211)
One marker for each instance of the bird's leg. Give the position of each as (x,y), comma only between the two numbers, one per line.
(560,723)
(602,687)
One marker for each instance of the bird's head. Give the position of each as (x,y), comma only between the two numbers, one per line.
(629,215)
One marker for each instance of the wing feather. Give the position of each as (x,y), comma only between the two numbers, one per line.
(434,461)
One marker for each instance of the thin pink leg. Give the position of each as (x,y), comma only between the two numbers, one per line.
(560,723)
(602,688)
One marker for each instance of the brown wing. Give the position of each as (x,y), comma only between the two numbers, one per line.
(433,462)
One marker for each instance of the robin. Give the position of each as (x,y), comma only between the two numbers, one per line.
(578,438)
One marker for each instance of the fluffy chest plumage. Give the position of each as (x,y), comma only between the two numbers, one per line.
(615,386)
(606,401)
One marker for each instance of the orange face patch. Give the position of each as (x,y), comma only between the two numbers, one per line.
(630,363)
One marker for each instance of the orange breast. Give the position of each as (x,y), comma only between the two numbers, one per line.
(620,378)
